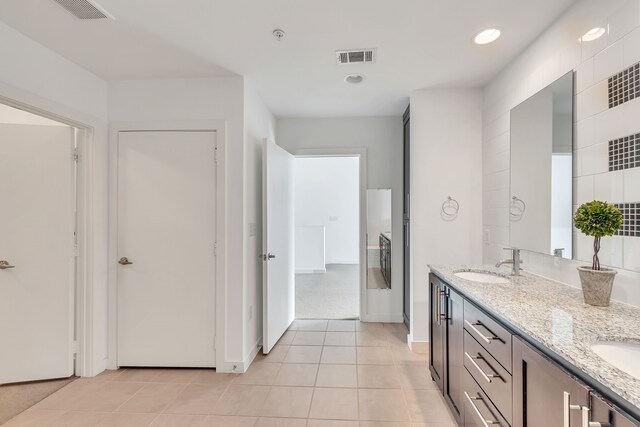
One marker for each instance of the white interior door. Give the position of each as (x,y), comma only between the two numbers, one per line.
(166,231)
(278,244)
(37,204)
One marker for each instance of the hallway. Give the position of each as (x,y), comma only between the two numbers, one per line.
(322,373)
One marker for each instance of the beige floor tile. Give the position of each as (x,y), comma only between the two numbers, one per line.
(109,419)
(427,406)
(337,376)
(332,423)
(303,354)
(344,339)
(179,421)
(372,328)
(88,395)
(397,339)
(308,338)
(276,355)
(341,326)
(36,418)
(334,404)
(297,374)
(210,376)
(309,325)
(197,399)
(179,376)
(382,405)
(292,402)
(108,375)
(259,374)
(229,421)
(140,375)
(387,424)
(404,356)
(374,356)
(378,376)
(281,422)
(415,377)
(338,355)
(242,400)
(366,339)
(286,338)
(152,398)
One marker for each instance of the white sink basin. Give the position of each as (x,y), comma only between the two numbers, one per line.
(476,276)
(622,355)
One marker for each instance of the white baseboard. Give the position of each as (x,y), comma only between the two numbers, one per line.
(318,271)
(383,318)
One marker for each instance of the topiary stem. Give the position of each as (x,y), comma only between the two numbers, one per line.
(596,249)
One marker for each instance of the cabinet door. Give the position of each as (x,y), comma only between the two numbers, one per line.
(544,395)
(605,414)
(436,334)
(454,351)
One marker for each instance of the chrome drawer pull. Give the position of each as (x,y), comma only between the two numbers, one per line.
(485,338)
(485,422)
(486,376)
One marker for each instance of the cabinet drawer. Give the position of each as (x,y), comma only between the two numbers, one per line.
(493,337)
(494,380)
(478,409)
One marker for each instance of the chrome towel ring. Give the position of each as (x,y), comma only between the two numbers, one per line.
(450,208)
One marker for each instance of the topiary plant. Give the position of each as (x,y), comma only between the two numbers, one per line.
(597,219)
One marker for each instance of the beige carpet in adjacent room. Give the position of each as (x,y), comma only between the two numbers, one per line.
(330,295)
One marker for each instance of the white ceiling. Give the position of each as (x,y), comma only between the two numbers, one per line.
(421,43)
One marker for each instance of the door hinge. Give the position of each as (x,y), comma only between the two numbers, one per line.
(76,155)
(215,154)
(74,347)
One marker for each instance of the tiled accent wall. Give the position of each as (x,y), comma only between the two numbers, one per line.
(624,153)
(596,127)
(624,86)
(630,219)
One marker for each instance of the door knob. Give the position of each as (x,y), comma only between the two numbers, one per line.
(5,264)
(124,261)
(268,256)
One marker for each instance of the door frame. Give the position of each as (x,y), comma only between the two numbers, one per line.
(82,308)
(361,153)
(217,126)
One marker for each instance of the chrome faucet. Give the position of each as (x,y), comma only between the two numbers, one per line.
(515,261)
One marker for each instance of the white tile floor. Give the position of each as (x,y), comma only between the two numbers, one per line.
(321,374)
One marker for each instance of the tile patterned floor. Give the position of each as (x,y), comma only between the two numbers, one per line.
(321,374)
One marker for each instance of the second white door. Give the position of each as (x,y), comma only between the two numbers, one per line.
(166,252)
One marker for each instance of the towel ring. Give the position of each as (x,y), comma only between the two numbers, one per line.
(450,207)
(517,208)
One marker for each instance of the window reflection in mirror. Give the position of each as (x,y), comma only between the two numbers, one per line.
(540,209)
(379,239)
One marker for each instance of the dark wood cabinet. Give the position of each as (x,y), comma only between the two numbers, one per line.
(544,395)
(603,414)
(406,281)
(446,343)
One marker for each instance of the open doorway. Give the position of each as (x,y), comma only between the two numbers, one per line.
(327,237)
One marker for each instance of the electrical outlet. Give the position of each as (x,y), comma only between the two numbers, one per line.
(487,236)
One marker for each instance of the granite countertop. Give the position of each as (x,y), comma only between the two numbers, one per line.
(555,316)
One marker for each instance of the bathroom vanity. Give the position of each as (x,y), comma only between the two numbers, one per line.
(520,351)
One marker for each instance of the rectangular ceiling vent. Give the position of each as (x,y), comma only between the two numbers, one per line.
(84,9)
(359,56)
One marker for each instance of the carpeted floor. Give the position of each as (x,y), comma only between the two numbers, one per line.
(15,398)
(331,295)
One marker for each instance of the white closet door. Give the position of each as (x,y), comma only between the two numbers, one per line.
(278,244)
(37,204)
(166,231)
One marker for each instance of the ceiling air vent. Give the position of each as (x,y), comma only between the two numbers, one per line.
(360,56)
(84,9)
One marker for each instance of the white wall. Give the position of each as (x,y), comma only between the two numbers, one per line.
(382,138)
(259,124)
(36,76)
(445,147)
(191,100)
(554,53)
(327,193)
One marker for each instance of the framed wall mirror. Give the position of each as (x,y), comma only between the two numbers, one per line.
(379,239)
(541,196)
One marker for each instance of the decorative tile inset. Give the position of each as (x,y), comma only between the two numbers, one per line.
(630,219)
(624,86)
(624,153)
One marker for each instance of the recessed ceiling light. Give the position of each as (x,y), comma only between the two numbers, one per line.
(593,34)
(354,78)
(487,36)
(278,34)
